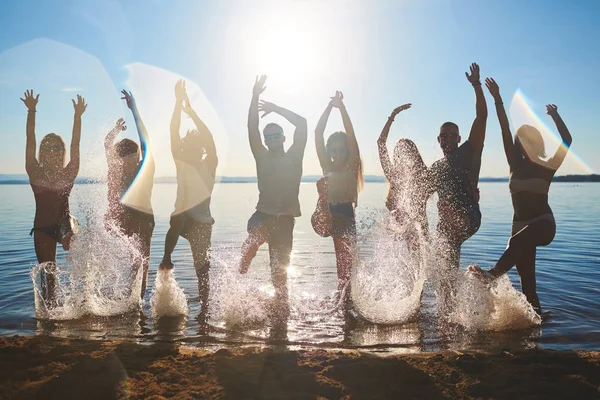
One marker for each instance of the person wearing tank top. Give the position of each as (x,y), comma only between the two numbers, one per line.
(342,180)
(278,173)
(196,162)
(530,176)
(455,178)
(51,182)
(130,183)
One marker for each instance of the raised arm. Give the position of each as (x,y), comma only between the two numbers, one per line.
(73,166)
(320,139)
(477,134)
(110,138)
(353,151)
(301,131)
(31,162)
(558,158)
(141,128)
(256,144)
(176,118)
(507,138)
(205,134)
(384,157)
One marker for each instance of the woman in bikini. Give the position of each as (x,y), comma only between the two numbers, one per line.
(51,182)
(130,183)
(530,177)
(343,179)
(407,194)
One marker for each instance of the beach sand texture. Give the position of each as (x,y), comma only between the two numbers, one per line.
(52,368)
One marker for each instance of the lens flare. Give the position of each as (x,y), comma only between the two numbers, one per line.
(521,113)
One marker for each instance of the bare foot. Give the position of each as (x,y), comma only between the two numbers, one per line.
(245,265)
(165,266)
(482,275)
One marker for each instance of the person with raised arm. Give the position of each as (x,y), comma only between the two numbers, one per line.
(531,173)
(51,182)
(455,178)
(196,161)
(342,180)
(130,184)
(279,173)
(407,193)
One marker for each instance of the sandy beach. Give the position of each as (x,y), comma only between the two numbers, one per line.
(45,367)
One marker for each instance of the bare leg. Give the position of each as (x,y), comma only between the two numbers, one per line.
(177,224)
(145,240)
(200,241)
(45,251)
(256,238)
(526,269)
(344,256)
(540,233)
(280,248)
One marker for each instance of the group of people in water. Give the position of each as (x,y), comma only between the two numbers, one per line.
(411,183)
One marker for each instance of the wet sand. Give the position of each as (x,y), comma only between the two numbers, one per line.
(44,367)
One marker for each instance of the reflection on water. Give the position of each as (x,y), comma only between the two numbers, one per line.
(239,311)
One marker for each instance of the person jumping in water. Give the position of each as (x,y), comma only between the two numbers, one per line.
(279,173)
(530,177)
(407,194)
(130,183)
(196,161)
(455,178)
(51,182)
(342,180)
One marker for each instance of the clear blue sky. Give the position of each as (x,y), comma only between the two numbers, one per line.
(379,53)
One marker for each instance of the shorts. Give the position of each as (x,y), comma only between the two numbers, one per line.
(134,222)
(278,231)
(463,227)
(187,227)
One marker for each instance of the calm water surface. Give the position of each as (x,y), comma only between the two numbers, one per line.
(568,275)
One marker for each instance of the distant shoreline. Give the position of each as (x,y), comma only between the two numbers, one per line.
(21,179)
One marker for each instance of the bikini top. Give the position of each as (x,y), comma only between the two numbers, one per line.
(530,185)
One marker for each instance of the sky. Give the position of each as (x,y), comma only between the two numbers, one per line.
(380,53)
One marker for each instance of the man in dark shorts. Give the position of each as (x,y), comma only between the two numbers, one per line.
(279,173)
(455,178)
(196,161)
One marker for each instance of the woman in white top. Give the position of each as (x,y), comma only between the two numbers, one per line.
(530,177)
(343,179)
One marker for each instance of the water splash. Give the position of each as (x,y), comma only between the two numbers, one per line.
(167,298)
(496,308)
(102,276)
(387,286)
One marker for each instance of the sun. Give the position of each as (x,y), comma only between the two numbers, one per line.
(287,48)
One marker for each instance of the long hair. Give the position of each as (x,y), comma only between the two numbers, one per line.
(341,136)
(408,164)
(51,140)
(531,142)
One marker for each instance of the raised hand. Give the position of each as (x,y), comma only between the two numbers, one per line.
(180,91)
(259,85)
(266,107)
(403,107)
(29,100)
(551,110)
(337,101)
(120,125)
(80,106)
(128,97)
(493,87)
(474,76)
